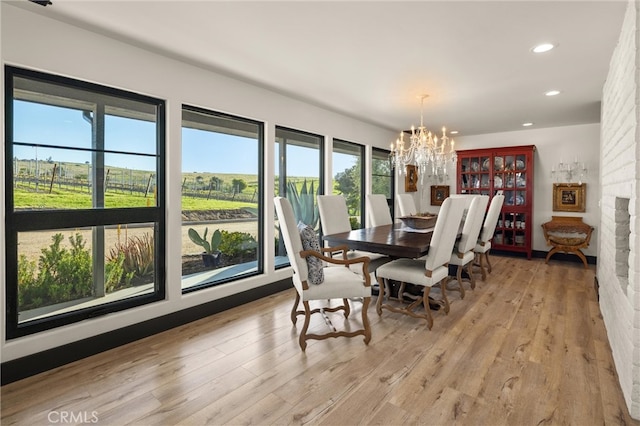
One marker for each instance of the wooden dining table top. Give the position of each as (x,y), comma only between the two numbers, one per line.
(392,240)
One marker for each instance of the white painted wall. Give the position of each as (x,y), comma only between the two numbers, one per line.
(552,144)
(33,41)
(84,55)
(619,155)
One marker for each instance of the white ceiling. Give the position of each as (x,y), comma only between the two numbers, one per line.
(372,59)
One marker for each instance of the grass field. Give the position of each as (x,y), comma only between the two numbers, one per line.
(45,196)
(65,199)
(67,186)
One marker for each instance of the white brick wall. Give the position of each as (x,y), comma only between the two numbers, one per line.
(619,174)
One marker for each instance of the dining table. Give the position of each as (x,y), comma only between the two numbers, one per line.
(395,240)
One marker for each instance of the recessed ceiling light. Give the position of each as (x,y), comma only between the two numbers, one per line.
(527,124)
(541,48)
(552,93)
(453,132)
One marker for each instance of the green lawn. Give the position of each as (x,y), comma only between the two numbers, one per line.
(74,193)
(62,199)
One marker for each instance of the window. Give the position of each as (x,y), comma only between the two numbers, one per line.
(84,200)
(382,178)
(299,178)
(348,178)
(221,198)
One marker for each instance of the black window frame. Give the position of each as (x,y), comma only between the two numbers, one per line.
(21,221)
(363,172)
(261,144)
(282,168)
(386,153)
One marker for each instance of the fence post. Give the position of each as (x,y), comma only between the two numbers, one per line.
(148,186)
(53,175)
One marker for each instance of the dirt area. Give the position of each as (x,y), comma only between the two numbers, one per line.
(30,243)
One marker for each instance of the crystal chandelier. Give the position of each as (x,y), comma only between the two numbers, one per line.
(429,154)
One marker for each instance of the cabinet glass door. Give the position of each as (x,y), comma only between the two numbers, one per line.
(475,174)
(511,229)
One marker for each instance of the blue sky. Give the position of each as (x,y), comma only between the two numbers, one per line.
(201,151)
(234,154)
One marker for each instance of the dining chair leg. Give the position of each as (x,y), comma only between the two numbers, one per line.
(365,320)
(481,263)
(486,255)
(425,302)
(294,310)
(303,333)
(382,285)
(443,288)
(472,278)
(347,308)
(460,287)
(400,291)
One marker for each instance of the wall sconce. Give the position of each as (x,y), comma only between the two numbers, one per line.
(569,171)
(440,175)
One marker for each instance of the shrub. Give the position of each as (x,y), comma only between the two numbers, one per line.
(61,275)
(143,255)
(65,274)
(133,258)
(29,293)
(237,244)
(116,277)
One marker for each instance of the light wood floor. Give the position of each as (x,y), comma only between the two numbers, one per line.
(528,347)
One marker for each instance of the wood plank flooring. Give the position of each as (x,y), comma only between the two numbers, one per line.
(527,347)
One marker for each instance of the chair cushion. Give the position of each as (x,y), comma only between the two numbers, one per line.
(483,248)
(567,238)
(310,242)
(339,283)
(411,271)
(466,258)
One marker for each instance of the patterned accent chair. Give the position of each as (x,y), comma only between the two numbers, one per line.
(568,234)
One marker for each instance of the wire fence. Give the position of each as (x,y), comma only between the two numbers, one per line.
(42,176)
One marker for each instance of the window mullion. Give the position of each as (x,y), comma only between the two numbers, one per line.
(97,142)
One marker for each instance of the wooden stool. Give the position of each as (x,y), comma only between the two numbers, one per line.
(567,234)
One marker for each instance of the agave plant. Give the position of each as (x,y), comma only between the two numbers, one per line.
(303,203)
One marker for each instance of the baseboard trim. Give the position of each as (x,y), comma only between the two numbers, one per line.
(33,364)
(538,254)
(565,257)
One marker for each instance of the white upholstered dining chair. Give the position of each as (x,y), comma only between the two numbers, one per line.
(334,215)
(406,205)
(313,281)
(334,218)
(486,234)
(463,252)
(427,271)
(378,210)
